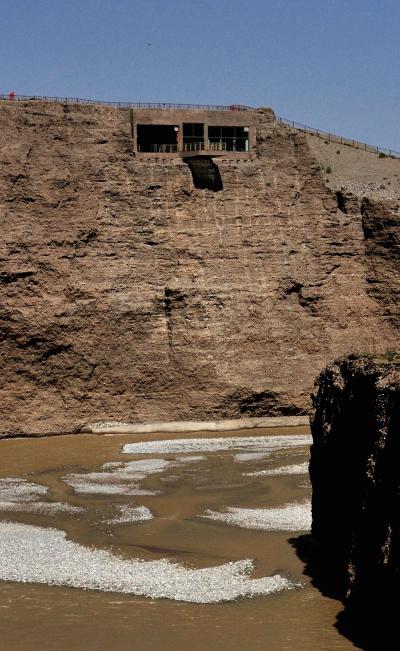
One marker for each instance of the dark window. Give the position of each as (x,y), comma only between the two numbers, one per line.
(229,138)
(157,137)
(193,136)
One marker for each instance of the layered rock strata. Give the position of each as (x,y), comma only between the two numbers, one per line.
(129,294)
(355,477)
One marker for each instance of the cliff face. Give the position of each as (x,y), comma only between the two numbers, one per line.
(128,294)
(355,476)
(381,226)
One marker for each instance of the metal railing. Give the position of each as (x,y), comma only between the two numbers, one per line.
(144,105)
(340,140)
(217,146)
(161,149)
(187,146)
(193,146)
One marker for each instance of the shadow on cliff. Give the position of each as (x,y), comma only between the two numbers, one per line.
(205,173)
(369,624)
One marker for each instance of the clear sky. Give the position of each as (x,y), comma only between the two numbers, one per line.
(333,64)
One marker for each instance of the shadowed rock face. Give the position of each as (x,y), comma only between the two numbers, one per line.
(129,294)
(355,476)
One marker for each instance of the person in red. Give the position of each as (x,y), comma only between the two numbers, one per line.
(11,94)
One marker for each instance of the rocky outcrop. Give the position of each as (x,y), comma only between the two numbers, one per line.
(129,294)
(355,477)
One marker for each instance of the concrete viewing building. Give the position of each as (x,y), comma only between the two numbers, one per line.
(193,132)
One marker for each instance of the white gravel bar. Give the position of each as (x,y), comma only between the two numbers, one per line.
(296,469)
(17,489)
(243,457)
(118,478)
(130,514)
(19,495)
(45,508)
(31,554)
(290,517)
(245,443)
(192,459)
(86,487)
(122,478)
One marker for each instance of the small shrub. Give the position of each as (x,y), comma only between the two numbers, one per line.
(360,355)
(328,169)
(390,355)
(368,356)
(381,155)
(338,151)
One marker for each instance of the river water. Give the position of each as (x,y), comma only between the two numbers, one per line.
(205,505)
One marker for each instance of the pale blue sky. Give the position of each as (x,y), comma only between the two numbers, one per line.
(333,64)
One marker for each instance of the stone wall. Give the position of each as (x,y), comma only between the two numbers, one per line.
(128,294)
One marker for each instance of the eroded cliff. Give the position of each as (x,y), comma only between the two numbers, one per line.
(128,294)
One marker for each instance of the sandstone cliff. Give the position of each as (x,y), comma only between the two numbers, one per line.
(128,294)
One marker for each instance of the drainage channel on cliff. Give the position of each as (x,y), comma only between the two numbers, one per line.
(205,173)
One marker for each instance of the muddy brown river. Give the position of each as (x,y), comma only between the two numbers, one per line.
(156,537)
